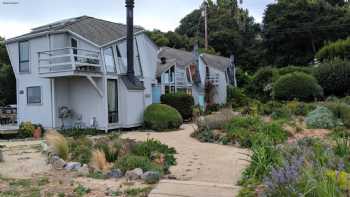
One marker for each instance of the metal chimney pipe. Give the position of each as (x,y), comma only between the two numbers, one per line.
(130,38)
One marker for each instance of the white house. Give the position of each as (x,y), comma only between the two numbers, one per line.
(81,64)
(177,71)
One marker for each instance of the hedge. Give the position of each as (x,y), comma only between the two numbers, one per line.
(338,49)
(183,103)
(162,117)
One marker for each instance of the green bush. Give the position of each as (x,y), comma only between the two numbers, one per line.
(321,118)
(237,97)
(162,117)
(26,129)
(77,132)
(130,162)
(298,86)
(80,149)
(261,86)
(183,103)
(341,111)
(339,49)
(250,130)
(334,77)
(151,147)
(293,69)
(346,100)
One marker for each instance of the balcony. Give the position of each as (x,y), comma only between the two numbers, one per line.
(213,79)
(69,62)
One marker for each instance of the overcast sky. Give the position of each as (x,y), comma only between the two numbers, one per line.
(17,19)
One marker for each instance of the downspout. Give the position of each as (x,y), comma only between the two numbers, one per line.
(52,90)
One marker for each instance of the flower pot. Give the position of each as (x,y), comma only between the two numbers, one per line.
(37,133)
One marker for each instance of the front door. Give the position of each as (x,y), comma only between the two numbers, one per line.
(112,93)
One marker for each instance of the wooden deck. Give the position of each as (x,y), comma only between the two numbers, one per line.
(8,129)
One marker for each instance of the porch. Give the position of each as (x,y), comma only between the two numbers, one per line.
(69,62)
(8,119)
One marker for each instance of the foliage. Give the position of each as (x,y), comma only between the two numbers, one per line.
(339,49)
(293,69)
(26,129)
(98,160)
(183,103)
(237,97)
(80,149)
(215,120)
(151,147)
(112,146)
(300,108)
(130,162)
(162,117)
(261,86)
(341,111)
(78,132)
(59,143)
(251,130)
(297,85)
(80,190)
(334,77)
(321,118)
(294,30)
(7,85)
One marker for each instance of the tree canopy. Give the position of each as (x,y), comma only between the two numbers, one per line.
(7,78)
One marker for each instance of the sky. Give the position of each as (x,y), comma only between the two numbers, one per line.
(17,19)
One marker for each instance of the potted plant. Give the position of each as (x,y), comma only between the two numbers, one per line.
(37,133)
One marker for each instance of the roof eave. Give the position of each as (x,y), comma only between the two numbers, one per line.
(30,36)
(120,39)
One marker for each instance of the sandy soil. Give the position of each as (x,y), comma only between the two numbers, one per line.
(198,161)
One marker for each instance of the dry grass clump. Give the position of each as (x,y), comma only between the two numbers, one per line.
(98,160)
(58,143)
(216,120)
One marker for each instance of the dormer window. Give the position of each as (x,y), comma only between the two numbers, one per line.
(24,57)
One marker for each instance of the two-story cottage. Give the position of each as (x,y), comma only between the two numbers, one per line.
(80,65)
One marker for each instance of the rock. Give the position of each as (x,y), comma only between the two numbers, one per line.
(72,166)
(57,163)
(134,174)
(151,177)
(116,173)
(84,170)
(171,177)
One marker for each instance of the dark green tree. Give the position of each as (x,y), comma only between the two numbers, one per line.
(294,30)
(7,77)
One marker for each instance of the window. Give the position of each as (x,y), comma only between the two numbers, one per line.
(109,60)
(118,52)
(74,45)
(112,93)
(24,56)
(34,95)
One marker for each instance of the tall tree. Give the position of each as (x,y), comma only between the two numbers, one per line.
(294,30)
(7,77)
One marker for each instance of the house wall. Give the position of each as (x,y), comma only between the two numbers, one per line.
(221,89)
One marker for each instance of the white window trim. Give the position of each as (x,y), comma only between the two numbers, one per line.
(41,96)
(29,58)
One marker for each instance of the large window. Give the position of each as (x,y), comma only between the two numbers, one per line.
(24,56)
(112,93)
(109,60)
(34,95)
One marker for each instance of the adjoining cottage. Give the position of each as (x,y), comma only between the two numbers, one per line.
(204,76)
(75,71)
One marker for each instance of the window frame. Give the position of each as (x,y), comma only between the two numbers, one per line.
(23,61)
(41,95)
(113,58)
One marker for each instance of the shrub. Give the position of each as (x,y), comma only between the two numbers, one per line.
(341,111)
(150,147)
(300,108)
(98,160)
(346,100)
(293,69)
(130,162)
(162,117)
(26,129)
(297,85)
(59,144)
(320,118)
(216,120)
(183,103)
(334,77)
(77,132)
(111,146)
(80,149)
(236,97)
(261,86)
(339,49)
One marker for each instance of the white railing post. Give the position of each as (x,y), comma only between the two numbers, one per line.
(71,50)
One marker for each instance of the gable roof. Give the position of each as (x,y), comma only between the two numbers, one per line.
(184,58)
(98,31)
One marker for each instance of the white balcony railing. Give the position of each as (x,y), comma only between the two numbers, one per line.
(69,59)
(213,79)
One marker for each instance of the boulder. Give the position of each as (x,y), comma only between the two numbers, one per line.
(151,177)
(57,162)
(72,166)
(116,173)
(84,170)
(134,174)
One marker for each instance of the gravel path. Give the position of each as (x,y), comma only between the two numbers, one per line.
(199,162)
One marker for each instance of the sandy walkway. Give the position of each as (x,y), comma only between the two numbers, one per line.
(200,162)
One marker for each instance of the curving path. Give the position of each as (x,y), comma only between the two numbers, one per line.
(202,169)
